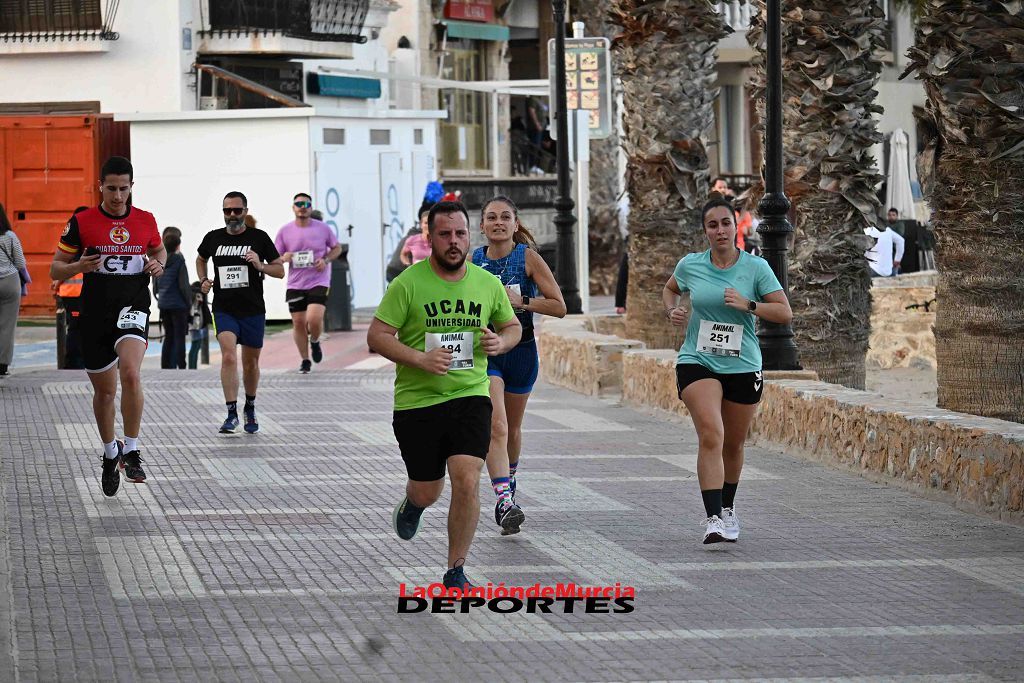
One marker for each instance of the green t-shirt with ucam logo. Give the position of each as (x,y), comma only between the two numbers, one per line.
(428,311)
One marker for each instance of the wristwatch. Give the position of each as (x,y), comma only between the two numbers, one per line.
(751,305)
(526,301)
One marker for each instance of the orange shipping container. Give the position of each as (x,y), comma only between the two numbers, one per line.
(50,166)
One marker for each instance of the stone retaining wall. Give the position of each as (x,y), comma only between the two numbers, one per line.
(902,337)
(974,462)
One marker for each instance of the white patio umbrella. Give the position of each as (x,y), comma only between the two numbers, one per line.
(898,193)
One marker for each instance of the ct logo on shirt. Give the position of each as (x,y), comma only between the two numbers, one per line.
(119,234)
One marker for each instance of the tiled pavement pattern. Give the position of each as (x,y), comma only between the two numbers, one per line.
(270,557)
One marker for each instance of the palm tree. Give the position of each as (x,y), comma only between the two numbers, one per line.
(665,56)
(605,181)
(970,58)
(831,62)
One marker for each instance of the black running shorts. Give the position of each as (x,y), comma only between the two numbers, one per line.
(428,436)
(741,387)
(300,299)
(101,333)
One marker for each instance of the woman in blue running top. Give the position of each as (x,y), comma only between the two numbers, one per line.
(509,256)
(718,371)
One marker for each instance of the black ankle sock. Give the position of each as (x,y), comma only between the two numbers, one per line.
(729,494)
(712,502)
(250,401)
(232,406)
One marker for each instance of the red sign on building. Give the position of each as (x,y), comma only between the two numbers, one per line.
(469,10)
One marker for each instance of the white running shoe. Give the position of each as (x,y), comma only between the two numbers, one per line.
(731,524)
(715,532)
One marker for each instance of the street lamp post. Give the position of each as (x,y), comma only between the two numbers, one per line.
(564,219)
(778,348)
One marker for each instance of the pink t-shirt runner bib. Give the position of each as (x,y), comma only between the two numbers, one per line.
(307,245)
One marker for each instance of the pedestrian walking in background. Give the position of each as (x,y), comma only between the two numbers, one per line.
(622,281)
(718,370)
(173,298)
(12,277)
(511,256)
(199,320)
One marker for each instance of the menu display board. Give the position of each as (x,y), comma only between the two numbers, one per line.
(588,82)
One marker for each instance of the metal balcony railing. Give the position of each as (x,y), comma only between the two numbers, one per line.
(737,14)
(323,20)
(54,20)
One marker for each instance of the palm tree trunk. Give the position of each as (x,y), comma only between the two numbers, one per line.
(969,57)
(605,179)
(666,60)
(830,64)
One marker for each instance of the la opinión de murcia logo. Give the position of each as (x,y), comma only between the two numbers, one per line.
(562,598)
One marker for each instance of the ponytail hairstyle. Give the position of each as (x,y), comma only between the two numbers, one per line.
(521,235)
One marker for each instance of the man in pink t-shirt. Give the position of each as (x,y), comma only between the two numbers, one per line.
(307,245)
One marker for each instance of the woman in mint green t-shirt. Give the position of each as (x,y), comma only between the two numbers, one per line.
(718,370)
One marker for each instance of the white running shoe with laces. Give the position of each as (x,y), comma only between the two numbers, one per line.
(731,524)
(715,532)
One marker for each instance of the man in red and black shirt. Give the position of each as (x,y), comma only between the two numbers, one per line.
(120,250)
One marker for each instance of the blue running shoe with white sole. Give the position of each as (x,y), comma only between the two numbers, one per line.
(230,424)
(251,425)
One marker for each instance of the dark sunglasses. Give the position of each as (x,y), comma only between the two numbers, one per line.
(234,210)
(303,205)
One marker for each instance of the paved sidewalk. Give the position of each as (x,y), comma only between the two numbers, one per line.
(271,557)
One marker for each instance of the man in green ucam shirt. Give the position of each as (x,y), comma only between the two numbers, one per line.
(439,309)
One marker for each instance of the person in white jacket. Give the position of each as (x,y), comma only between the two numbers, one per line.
(880,257)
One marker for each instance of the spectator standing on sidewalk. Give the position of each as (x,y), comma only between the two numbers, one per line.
(880,256)
(198,324)
(12,262)
(173,296)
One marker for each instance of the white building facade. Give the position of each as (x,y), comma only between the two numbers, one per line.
(222,95)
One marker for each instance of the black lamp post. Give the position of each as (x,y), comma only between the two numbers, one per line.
(778,349)
(564,219)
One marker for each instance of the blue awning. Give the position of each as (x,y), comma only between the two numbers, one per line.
(476,31)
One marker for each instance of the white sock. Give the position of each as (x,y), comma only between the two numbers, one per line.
(314,341)
(131,443)
(110,449)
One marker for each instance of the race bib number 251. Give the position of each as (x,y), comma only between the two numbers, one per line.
(719,339)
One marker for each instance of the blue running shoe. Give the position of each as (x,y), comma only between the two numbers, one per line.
(230,424)
(456,578)
(251,425)
(406,519)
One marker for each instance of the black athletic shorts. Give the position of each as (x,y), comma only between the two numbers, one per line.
(428,436)
(300,299)
(741,387)
(101,333)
